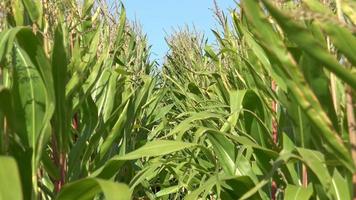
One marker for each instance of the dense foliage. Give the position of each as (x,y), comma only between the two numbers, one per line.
(265,113)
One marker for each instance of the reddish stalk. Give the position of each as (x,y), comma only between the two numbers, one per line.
(57,183)
(75,121)
(273,190)
(63,169)
(5,138)
(351,123)
(305,175)
(62,163)
(60,159)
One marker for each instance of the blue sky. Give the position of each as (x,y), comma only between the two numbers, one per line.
(159,17)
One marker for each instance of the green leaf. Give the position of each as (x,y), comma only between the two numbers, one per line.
(316,162)
(188,123)
(90,187)
(294,192)
(154,148)
(210,52)
(33,9)
(81,66)
(167,191)
(225,152)
(35,67)
(18,11)
(88,4)
(340,187)
(236,99)
(157,148)
(204,186)
(10,185)
(33,95)
(296,83)
(50,167)
(116,132)
(6,107)
(59,73)
(110,99)
(261,55)
(121,28)
(304,39)
(237,186)
(152,170)
(343,38)
(7,38)
(122,71)
(31,98)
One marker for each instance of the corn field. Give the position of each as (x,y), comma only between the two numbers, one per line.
(266,112)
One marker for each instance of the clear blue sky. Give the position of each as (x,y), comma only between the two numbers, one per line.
(159,17)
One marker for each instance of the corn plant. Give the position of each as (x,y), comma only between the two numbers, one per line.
(75,81)
(265,113)
(277,94)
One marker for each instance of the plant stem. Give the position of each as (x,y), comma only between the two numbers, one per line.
(57,185)
(274,135)
(304,168)
(351,123)
(339,11)
(274,120)
(63,169)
